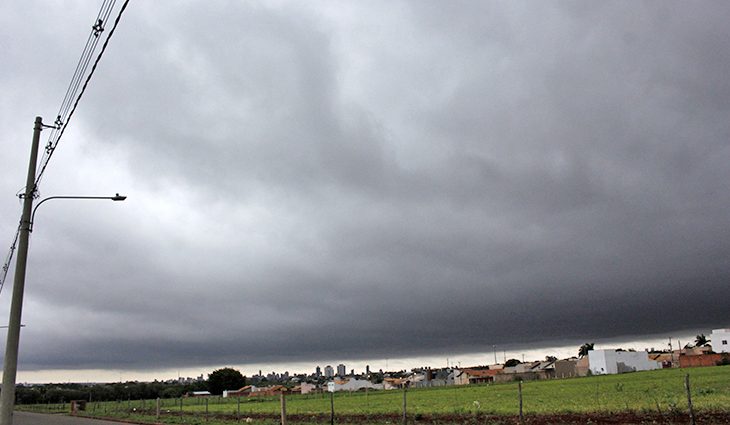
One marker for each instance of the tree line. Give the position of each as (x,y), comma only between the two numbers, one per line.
(61,393)
(218,381)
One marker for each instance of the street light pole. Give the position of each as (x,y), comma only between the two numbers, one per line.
(10,367)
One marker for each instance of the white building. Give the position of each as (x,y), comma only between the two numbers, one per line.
(608,362)
(351,384)
(720,340)
(307,388)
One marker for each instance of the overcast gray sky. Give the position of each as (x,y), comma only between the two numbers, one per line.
(359,180)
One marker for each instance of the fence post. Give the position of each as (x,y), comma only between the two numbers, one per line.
(689,400)
(519,390)
(332,408)
(405,411)
(367,405)
(157,409)
(283,408)
(238,409)
(206,409)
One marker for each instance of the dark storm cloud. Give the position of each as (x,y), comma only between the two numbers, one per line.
(363,181)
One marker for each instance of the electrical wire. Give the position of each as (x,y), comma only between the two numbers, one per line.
(89,48)
(64,115)
(8,259)
(68,108)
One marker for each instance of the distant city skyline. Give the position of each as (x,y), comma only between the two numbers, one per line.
(390,364)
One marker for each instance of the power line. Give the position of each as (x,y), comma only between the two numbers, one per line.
(89,48)
(67,109)
(91,42)
(81,66)
(8,258)
(65,115)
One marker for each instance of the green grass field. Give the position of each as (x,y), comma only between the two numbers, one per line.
(661,390)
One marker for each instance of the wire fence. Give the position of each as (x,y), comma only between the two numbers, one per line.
(569,400)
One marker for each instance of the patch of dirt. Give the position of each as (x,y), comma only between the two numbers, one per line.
(631,418)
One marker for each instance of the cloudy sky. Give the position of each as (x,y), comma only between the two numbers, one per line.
(317,181)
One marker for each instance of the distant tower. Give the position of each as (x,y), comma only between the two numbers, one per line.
(329,372)
(367,369)
(341,370)
(318,372)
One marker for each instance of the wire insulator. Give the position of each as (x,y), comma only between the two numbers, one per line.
(98,27)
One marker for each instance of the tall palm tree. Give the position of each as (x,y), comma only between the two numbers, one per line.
(701,340)
(585,348)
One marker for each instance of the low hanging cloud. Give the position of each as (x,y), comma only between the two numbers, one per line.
(382,180)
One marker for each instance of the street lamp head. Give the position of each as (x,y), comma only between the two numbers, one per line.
(118,197)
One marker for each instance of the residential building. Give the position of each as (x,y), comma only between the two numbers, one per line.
(474,376)
(268,391)
(198,394)
(351,384)
(424,378)
(607,362)
(665,359)
(341,371)
(529,371)
(566,368)
(395,383)
(581,366)
(304,388)
(241,392)
(720,340)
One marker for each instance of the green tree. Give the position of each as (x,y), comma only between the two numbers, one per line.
(511,363)
(225,379)
(585,348)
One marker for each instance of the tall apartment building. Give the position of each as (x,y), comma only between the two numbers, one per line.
(341,372)
(329,372)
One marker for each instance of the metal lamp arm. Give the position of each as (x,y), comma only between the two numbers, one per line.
(32,216)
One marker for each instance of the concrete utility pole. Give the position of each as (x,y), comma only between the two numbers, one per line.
(10,367)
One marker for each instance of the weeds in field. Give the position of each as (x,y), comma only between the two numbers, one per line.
(657,392)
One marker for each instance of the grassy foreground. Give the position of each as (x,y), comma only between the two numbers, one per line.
(660,391)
